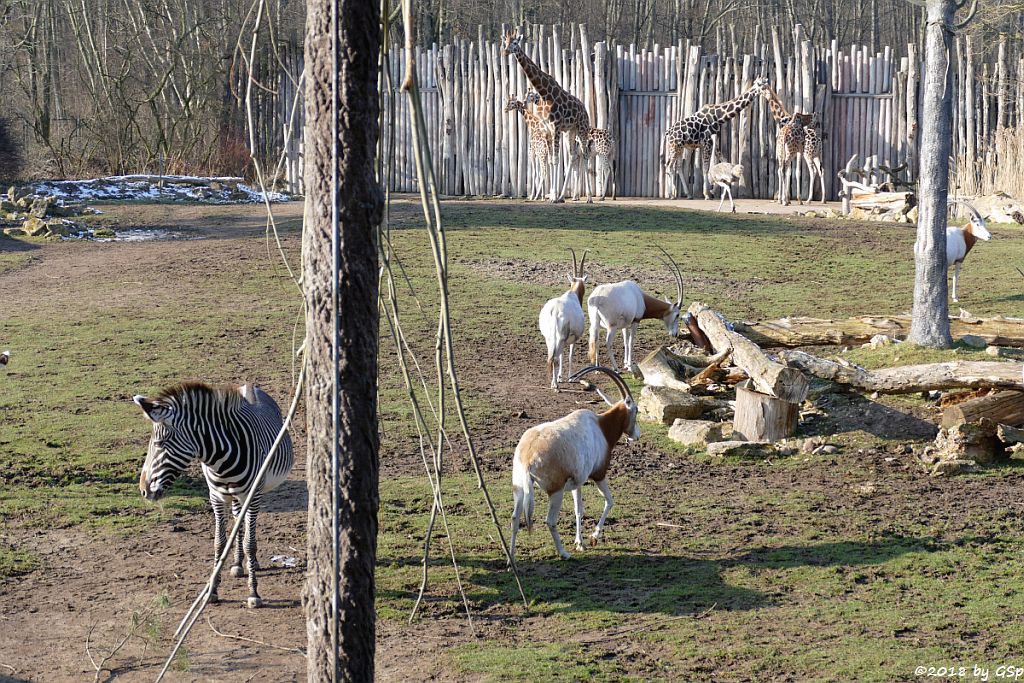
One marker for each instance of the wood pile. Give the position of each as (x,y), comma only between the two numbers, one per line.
(769,393)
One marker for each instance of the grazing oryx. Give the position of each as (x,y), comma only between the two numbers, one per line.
(622,305)
(561,320)
(229,429)
(563,454)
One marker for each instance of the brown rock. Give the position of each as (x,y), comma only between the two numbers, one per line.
(695,432)
(661,404)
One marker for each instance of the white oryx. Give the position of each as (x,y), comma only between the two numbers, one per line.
(622,305)
(561,320)
(563,454)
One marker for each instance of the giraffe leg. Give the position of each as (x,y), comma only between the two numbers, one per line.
(821,177)
(569,168)
(812,178)
(705,159)
(799,167)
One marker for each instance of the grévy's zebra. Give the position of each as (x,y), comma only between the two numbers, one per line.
(229,429)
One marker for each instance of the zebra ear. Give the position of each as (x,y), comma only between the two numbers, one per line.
(155,411)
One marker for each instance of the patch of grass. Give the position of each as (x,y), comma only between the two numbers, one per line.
(911,354)
(533,662)
(14,562)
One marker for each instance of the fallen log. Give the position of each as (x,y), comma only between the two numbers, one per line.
(663,368)
(1004,407)
(898,202)
(801,331)
(908,379)
(768,376)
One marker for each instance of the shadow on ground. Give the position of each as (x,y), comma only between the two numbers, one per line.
(632,583)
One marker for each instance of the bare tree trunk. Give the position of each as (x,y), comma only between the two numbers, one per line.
(930,325)
(360,207)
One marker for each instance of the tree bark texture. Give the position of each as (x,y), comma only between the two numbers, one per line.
(360,208)
(930,326)
(1001,407)
(760,417)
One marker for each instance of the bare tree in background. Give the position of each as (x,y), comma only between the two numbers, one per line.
(930,324)
(360,210)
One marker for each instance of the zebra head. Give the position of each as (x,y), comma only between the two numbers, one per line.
(172,446)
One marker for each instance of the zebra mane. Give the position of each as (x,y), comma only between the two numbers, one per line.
(230,395)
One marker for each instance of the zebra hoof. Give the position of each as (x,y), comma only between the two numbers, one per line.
(214,599)
(255,602)
(237,571)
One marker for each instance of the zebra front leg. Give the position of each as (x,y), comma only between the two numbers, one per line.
(250,554)
(220,514)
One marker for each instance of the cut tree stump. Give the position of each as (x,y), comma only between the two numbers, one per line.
(762,418)
(802,331)
(908,379)
(1004,407)
(768,376)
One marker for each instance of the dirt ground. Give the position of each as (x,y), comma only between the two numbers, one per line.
(90,581)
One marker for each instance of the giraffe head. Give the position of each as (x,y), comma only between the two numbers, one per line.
(513,103)
(513,44)
(761,86)
(532,96)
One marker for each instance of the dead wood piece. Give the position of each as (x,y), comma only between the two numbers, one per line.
(663,368)
(1010,435)
(802,331)
(1005,407)
(762,418)
(976,441)
(910,378)
(704,376)
(900,202)
(768,376)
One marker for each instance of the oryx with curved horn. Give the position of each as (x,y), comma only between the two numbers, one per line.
(561,320)
(961,239)
(622,305)
(563,454)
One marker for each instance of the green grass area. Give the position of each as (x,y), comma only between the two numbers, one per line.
(779,588)
(763,571)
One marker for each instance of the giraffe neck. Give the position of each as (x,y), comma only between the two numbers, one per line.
(544,84)
(775,104)
(729,110)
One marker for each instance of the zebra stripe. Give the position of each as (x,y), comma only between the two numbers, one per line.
(229,430)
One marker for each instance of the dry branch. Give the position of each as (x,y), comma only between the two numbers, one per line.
(768,376)
(910,378)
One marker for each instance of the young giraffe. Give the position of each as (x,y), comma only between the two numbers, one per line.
(565,113)
(602,147)
(542,142)
(796,137)
(696,131)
